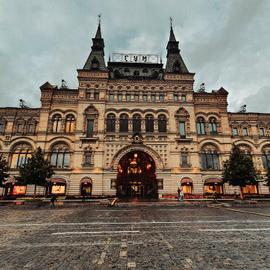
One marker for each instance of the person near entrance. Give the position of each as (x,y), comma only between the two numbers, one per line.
(178,193)
(53,200)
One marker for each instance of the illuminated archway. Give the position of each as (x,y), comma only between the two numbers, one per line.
(136,177)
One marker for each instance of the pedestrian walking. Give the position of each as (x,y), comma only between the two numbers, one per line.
(83,195)
(178,193)
(181,195)
(53,200)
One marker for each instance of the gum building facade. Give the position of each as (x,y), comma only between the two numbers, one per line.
(133,128)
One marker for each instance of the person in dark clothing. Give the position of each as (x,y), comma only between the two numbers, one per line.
(53,200)
(178,192)
(83,195)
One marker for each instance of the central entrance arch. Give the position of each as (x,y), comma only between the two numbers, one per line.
(136,176)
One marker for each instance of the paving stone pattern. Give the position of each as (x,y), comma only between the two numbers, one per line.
(98,237)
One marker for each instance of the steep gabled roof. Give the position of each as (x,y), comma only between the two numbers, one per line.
(175,63)
(95,60)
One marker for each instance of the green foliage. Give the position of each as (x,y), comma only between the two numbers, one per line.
(239,169)
(36,170)
(267,178)
(3,170)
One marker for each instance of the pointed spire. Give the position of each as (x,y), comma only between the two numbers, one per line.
(95,60)
(172,36)
(98,33)
(175,63)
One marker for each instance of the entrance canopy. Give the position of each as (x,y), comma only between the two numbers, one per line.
(186,181)
(57,181)
(86,181)
(213,181)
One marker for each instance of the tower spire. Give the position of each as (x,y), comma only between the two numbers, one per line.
(98,33)
(172,36)
(95,60)
(175,63)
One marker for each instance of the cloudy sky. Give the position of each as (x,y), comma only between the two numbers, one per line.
(226,43)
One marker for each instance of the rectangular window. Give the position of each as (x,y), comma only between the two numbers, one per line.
(183,98)
(89,127)
(88,95)
(235,132)
(182,129)
(1,128)
(136,97)
(19,128)
(88,158)
(266,160)
(66,160)
(245,132)
(145,98)
(153,98)
(111,97)
(161,98)
(96,96)
(119,97)
(184,159)
(128,97)
(175,97)
(30,128)
(261,132)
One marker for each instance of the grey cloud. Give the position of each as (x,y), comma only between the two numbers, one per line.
(224,42)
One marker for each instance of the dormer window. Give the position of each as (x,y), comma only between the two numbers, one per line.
(176,67)
(95,64)
(136,73)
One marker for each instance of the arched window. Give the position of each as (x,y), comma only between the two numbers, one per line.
(95,64)
(200,126)
(136,123)
(91,117)
(56,123)
(20,155)
(266,157)
(70,123)
(162,123)
(111,122)
(149,123)
(60,156)
(245,148)
(213,126)
(210,158)
(123,123)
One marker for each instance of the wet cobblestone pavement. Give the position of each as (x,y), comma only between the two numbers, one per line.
(97,237)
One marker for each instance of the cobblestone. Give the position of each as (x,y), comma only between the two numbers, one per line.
(96,237)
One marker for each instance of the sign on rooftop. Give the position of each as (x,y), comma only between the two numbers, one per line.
(135,58)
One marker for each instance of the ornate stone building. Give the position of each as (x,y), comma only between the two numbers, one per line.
(133,127)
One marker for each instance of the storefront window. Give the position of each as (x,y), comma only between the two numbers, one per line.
(250,189)
(19,190)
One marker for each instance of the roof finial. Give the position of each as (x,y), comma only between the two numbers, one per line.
(99,18)
(171,21)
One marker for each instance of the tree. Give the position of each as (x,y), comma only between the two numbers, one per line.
(239,170)
(37,170)
(3,170)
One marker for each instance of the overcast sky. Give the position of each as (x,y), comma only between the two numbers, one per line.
(226,43)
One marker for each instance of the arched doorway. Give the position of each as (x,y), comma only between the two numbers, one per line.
(136,176)
(86,186)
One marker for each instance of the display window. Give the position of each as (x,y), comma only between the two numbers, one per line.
(19,190)
(58,189)
(250,189)
(213,188)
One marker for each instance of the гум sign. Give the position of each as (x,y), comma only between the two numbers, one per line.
(135,58)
